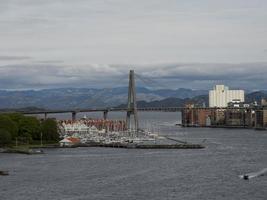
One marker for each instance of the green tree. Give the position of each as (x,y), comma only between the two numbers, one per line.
(30,127)
(5,137)
(15,117)
(7,124)
(50,130)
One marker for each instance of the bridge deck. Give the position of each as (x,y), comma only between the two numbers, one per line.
(164,109)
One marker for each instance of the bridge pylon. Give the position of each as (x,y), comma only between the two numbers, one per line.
(132,105)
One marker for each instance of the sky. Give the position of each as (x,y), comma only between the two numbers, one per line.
(93,43)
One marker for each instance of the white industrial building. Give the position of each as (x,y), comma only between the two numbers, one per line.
(220,96)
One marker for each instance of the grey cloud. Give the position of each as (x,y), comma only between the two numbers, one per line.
(205,75)
(49,61)
(52,76)
(14,57)
(126,31)
(63,38)
(189,75)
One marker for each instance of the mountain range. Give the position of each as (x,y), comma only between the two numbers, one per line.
(201,100)
(71,98)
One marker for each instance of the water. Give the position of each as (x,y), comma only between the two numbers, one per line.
(106,173)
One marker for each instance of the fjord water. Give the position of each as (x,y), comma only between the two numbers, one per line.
(107,173)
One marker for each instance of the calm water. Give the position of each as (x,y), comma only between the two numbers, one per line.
(106,173)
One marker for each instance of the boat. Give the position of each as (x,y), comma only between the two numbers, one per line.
(36,151)
(4,173)
(253,174)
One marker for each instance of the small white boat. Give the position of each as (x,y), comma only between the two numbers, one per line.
(254,174)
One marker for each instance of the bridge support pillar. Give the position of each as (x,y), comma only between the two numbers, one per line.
(105,115)
(45,116)
(132,105)
(73,116)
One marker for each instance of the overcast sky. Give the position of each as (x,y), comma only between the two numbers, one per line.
(93,43)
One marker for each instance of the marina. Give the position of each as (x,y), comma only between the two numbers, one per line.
(114,173)
(117,133)
(83,133)
(133,100)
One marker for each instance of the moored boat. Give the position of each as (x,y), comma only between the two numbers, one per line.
(4,173)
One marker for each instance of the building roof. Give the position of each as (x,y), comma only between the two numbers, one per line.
(74,140)
(70,140)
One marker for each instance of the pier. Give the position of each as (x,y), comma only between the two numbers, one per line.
(143,146)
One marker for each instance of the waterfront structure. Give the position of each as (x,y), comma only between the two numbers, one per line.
(264,102)
(82,128)
(220,96)
(261,117)
(239,118)
(218,117)
(196,117)
(69,141)
(222,117)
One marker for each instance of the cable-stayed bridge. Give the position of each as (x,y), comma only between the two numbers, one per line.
(104,110)
(131,108)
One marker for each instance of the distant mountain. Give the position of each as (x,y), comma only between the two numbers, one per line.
(71,98)
(68,98)
(28,109)
(201,101)
(256,96)
(172,102)
(180,93)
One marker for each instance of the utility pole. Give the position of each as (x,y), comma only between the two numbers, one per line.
(132,105)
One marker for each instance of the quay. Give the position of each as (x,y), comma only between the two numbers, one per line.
(228,117)
(142,146)
(24,151)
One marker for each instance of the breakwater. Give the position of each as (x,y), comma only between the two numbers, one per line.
(142,146)
(23,151)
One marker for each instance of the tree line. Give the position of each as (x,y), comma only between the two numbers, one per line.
(15,127)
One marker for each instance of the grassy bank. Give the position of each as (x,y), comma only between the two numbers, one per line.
(28,148)
(36,144)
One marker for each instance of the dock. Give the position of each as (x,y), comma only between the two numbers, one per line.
(143,146)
